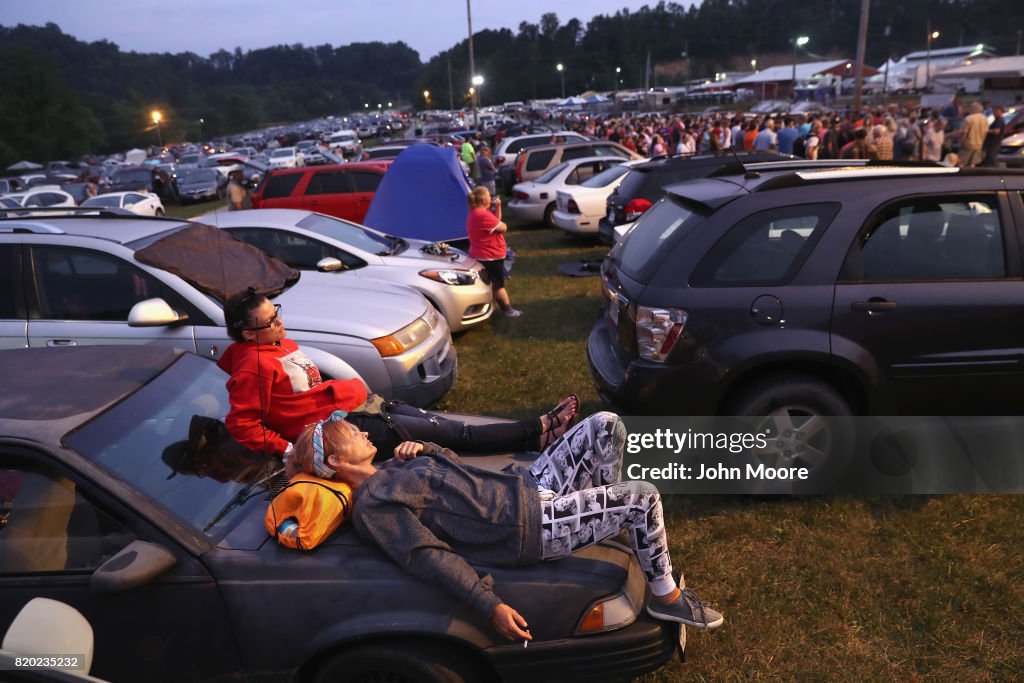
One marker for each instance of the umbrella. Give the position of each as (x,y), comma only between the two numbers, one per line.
(24,166)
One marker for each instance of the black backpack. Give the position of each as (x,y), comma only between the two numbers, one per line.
(800,145)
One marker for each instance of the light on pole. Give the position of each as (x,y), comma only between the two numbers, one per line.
(201,122)
(156,120)
(797,42)
(426,99)
(932,35)
(561,73)
(618,70)
(475,91)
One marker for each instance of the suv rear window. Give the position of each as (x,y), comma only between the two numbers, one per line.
(649,236)
(538,161)
(766,248)
(280,185)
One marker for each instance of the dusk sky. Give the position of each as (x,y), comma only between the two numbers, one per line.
(205,26)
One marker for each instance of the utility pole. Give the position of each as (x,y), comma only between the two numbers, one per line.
(862,41)
(451,93)
(472,65)
(647,71)
(1019,32)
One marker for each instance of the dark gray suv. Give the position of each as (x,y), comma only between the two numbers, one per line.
(800,292)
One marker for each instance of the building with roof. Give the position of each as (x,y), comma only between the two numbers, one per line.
(916,70)
(779,82)
(1002,78)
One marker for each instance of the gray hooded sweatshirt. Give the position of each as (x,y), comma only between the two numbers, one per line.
(433,513)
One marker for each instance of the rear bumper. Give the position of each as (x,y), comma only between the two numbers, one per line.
(575,223)
(641,647)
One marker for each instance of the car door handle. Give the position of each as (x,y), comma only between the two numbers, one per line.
(873,305)
(61,342)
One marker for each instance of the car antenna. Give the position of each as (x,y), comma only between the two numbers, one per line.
(748,175)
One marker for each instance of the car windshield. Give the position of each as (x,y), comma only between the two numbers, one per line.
(552,174)
(203,176)
(189,159)
(349,233)
(168,441)
(110,200)
(283,152)
(606,177)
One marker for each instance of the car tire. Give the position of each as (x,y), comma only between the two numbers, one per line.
(410,663)
(221,193)
(808,423)
(549,221)
(159,213)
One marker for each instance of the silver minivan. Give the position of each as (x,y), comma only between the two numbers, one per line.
(75,280)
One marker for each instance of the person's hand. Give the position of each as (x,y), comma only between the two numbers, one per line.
(509,623)
(407,450)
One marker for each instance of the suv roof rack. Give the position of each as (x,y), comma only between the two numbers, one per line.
(31,228)
(803,175)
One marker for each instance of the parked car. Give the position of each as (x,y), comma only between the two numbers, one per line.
(12,185)
(150,519)
(44,197)
(382,153)
(86,285)
(141,204)
(345,142)
(341,190)
(286,157)
(579,209)
(646,184)
(535,200)
(141,179)
(793,293)
(311,241)
(506,151)
(1011,151)
(535,161)
(201,184)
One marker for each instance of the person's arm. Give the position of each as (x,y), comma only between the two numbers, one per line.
(249,403)
(393,528)
(497,212)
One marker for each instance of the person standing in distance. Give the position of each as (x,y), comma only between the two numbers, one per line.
(487,243)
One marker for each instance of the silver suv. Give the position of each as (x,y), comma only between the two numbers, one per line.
(75,280)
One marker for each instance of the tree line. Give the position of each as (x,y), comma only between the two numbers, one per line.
(64,97)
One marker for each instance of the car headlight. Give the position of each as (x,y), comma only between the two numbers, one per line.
(607,615)
(452,277)
(406,338)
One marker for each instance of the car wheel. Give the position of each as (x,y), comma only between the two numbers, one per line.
(549,212)
(807,424)
(407,664)
(159,212)
(221,193)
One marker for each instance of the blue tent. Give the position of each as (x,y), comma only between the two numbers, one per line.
(422,196)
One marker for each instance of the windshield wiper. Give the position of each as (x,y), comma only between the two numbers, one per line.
(243,496)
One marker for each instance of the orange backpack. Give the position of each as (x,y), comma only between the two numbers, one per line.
(307,511)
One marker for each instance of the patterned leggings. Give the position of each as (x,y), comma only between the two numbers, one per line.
(584,499)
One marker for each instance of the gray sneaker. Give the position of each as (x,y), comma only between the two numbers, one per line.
(687,609)
(513,313)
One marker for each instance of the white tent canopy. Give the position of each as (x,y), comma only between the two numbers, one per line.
(25,166)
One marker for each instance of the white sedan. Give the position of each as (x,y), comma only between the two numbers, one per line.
(286,157)
(535,200)
(579,209)
(141,203)
(44,197)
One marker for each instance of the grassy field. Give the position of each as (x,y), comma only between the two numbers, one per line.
(826,588)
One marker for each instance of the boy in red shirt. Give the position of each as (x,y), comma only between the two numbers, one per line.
(487,243)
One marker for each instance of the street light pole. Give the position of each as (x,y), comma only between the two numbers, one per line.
(618,70)
(561,73)
(797,42)
(932,35)
(156,119)
(472,63)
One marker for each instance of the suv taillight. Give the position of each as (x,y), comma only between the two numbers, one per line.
(573,207)
(520,160)
(499,161)
(522,196)
(635,208)
(657,331)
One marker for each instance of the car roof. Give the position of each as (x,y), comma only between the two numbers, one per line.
(380,165)
(117,228)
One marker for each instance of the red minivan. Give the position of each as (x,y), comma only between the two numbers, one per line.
(341,190)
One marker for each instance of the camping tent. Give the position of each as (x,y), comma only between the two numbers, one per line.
(24,166)
(422,196)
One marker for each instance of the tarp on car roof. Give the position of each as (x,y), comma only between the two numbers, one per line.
(214,262)
(422,196)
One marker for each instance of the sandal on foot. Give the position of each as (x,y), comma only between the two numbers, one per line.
(556,421)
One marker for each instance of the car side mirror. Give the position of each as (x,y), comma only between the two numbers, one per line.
(154,313)
(41,623)
(329,265)
(137,564)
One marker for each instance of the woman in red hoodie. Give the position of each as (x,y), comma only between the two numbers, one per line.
(276,390)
